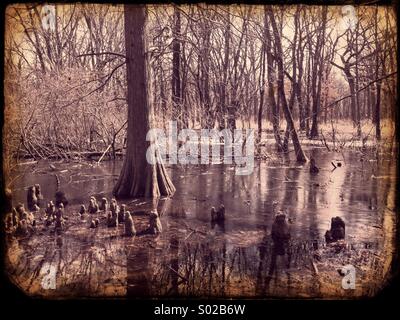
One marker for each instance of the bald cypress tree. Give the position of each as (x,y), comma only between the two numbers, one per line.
(138,178)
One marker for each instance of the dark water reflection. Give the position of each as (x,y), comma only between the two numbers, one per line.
(192,257)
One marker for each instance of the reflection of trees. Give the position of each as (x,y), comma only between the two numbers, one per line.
(138,275)
(312,206)
(211,269)
(102,263)
(174,274)
(361,190)
(274,190)
(390,170)
(200,269)
(291,197)
(83,265)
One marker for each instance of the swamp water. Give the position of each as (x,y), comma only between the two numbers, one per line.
(195,258)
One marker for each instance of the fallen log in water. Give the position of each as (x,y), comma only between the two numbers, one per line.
(75,154)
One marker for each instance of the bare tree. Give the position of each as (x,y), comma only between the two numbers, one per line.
(300,156)
(176,67)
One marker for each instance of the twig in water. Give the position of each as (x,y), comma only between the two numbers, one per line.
(177,273)
(188,236)
(324,141)
(102,156)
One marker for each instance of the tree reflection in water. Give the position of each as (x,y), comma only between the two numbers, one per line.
(194,257)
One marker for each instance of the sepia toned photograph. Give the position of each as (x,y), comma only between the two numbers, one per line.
(200,150)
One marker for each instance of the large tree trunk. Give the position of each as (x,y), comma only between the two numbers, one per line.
(294,78)
(224,93)
(205,73)
(262,83)
(298,83)
(352,87)
(138,178)
(357,78)
(176,70)
(270,79)
(377,116)
(300,156)
(308,94)
(317,74)
(377,113)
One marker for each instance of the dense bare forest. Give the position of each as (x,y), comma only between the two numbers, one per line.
(85,83)
(211,66)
